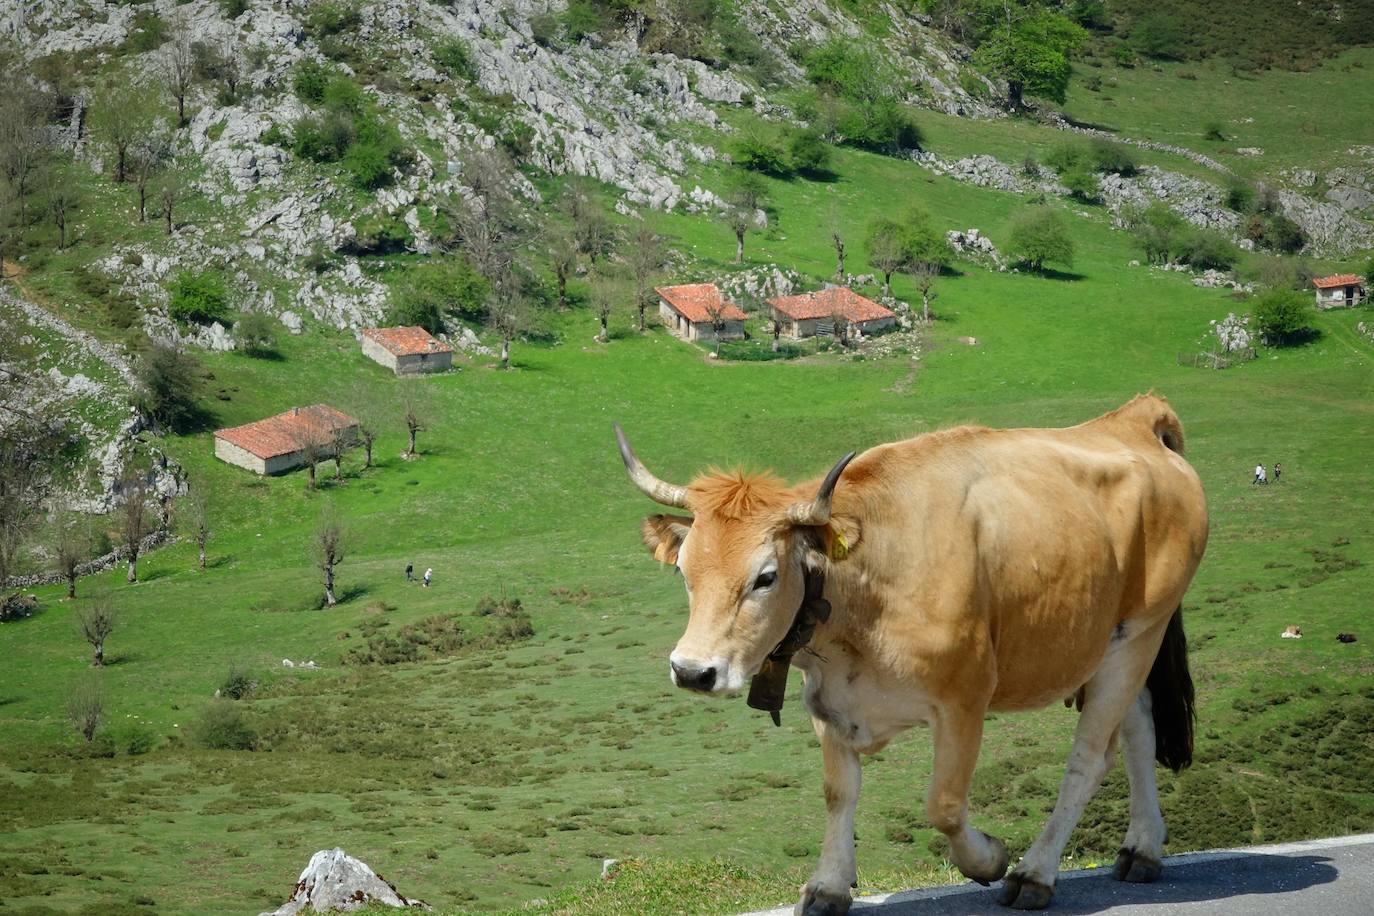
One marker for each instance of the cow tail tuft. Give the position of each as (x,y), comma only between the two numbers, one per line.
(1171,695)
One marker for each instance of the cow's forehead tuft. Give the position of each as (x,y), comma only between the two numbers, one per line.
(737,496)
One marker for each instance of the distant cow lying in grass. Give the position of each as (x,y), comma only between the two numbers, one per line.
(968,570)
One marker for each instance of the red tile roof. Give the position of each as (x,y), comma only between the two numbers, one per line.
(407,341)
(1336,280)
(826,302)
(695,301)
(284,433)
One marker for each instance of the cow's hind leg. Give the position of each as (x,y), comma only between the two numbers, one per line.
(958,735)
(1107,697)
(828,891)
(1143,847)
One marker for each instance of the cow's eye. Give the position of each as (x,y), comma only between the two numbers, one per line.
(765,580)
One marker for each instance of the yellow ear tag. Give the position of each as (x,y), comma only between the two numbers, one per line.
(839,548)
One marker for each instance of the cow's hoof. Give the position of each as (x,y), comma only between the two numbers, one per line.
(1022,893)
(995,870)
(820,902)
(1136,867)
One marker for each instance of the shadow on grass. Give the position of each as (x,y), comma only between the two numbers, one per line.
(1049,273)
(352,592)
(267,356)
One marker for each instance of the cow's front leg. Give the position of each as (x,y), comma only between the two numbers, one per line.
(958,734)
(828,891)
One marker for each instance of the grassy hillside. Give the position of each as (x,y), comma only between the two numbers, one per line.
(506,771)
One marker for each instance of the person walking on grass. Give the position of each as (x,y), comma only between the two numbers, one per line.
(428,574)
(1278,469)
(1259,475)
(410,572)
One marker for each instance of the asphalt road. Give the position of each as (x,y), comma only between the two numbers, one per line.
(1332,877)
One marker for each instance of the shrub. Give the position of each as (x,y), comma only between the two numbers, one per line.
(1066,155)
(327,19)
(809,152)
(169,383)
(1111,156)
(223,726)
(1283,317)
(762,152)
(436,290)
(1208,249)
(1082,184)
(487,606)
(582,20)
(1161,35)
(883,126)
(256,334)
(233,9)
(368,166)
(1240,195)
(199,297)
(323,140)
(1038,235)
(1214,131)
(343,95)
(147,32)
(133,738)
(238,683)
(1276,232)
(1158,230)
(309,81)
(453,57)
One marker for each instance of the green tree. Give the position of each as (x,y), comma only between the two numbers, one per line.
(809,153)
(199,297)
(437,290)
(1158,230)
(169,383)
(888,248)
(1039,235)
(256,334)
(746,197)
(1027,43)
(1283,317)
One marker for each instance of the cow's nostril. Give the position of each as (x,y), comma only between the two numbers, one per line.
(694,677)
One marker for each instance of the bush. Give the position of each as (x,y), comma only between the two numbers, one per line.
(199,297)
(1161,35)
(133,738)
(222,726)
(582,20)
(762,152)
(326,19)
(1113,157)
(1240,195)
(1207,249)
(436,290)
(256,334)
(1158,230)
(453,57)
(238,683)
(884,126)
(169,383)
(309,81)
(1038,235)
(1214,131)
(233,9)
(487,606)
(1276,232)
(809,153)
(323,140)
(1082,184)
(1283,317)
(368,166)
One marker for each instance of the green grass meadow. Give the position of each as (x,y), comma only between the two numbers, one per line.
(501,774)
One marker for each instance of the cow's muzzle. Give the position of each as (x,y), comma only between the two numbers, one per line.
(694,677)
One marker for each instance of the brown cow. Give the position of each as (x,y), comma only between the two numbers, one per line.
(969,570)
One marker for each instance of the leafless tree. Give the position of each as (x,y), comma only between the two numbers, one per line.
(328,548)
(484,223)
(563,258)
(363,404)
(645,256)
(608,296)
(312,444)
(179,65)
(841,323)
(715,313)
(120,117)
(414,408)
(194,519)
(746,198)
(24,139)
(169,194)
(836,240)
(86,705)
(148,154)
(336,443)
(61,202)
(71,545)
(509,314)
(133,519)
(592,232)
(925,274)
(776,323)
(95,621)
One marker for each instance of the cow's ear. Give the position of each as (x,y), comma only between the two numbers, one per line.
(664,534)
(840,536)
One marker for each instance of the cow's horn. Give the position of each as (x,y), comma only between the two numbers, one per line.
(659,491)
(817,512)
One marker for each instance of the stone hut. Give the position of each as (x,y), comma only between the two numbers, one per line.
(1338,291)
(277,444)
(687,311)
(407,351)
(812,314)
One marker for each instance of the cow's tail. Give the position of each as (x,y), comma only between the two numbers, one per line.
(1171,698)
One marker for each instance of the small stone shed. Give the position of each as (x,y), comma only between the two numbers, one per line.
(407,351)
(1339,290)
(809,314)
(277,444)
(687,311)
